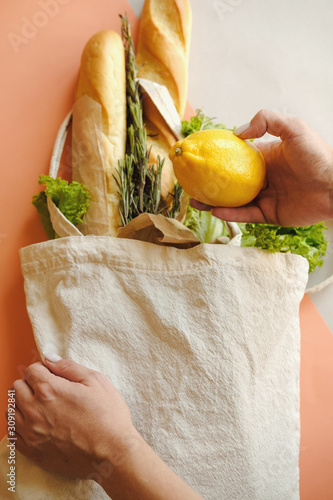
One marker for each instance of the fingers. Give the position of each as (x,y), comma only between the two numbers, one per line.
(38,373)
(200,206)
(35,374)
(240,214)
(70,370)
(248,213)
(23,394)
(272,122)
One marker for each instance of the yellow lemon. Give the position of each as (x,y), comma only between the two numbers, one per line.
(217,168)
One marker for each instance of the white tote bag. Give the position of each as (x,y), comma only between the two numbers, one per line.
(203,344)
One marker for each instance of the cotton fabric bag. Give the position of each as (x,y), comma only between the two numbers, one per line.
(203,344)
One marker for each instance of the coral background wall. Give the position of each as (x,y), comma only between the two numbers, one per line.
(245,55)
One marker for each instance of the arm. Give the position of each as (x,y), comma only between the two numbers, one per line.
(142,475)
(72,421)
(299,190)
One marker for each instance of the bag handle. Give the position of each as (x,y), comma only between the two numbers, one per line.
(59,146)
(62,226)
(321,286)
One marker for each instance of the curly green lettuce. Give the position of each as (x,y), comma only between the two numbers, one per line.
(72,199)
(200,122)
(308,241)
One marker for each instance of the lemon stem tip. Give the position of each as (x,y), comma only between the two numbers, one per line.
(178,151)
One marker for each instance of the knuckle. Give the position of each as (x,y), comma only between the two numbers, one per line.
(34,368)
(262,113)
(299,122)
(29,371)
(43,390)
(66,364)
(16,384)
(259,122)
(97,376)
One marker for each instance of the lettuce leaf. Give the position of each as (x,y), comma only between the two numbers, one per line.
(308,241)
(71,199)
(40,202)
(204,225)
(200,122)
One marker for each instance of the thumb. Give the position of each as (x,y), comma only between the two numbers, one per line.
(66,368)
(272,122)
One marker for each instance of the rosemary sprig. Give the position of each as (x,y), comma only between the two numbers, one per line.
(176,200)
(139,183)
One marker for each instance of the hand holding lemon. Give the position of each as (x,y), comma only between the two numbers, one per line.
(299,173)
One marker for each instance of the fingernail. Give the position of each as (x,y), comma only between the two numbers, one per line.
(52,356)
(242,128)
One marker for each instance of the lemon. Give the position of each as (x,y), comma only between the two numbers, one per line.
(218,168)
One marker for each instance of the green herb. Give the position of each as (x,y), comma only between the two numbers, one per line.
(176,201)
(139,183)
(308,241)
(200,122)
(71,199)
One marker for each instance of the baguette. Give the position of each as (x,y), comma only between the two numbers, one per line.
(163,46)
(102,77)
(162,57)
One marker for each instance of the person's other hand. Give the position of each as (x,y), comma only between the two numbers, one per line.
(299,175)
(71,420)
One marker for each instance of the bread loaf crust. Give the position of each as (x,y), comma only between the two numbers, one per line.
(163,46)
(102,77)
(162,57)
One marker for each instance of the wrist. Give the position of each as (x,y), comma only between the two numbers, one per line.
(139,473)
(114,459)
(119,465)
